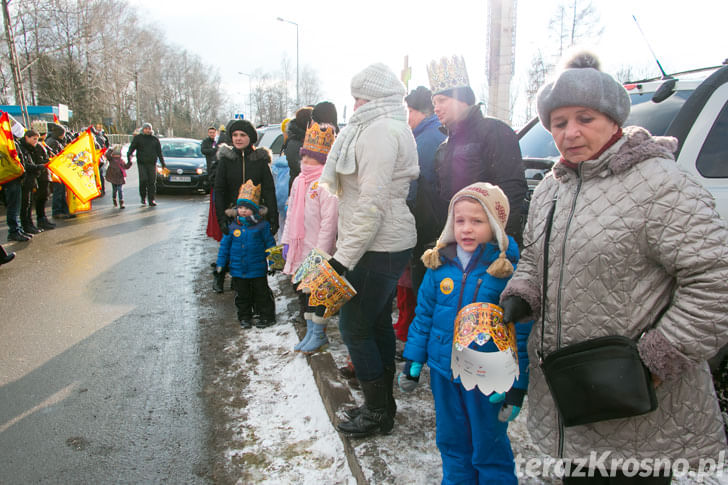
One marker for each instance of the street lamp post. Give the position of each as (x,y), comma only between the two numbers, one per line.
(298,99)
(250,95)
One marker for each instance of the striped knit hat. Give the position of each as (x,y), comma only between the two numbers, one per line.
(495,204)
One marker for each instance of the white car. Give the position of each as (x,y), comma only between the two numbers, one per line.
(691,106)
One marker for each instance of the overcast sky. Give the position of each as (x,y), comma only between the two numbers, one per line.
(340,38)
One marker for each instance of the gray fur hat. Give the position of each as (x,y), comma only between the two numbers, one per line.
(147,125)
(582,83)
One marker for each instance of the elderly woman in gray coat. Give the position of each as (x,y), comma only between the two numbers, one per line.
(631,235)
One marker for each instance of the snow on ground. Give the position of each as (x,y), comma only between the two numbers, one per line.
(282,431)
(283,434)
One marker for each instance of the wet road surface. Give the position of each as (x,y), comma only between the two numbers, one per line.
(100,369)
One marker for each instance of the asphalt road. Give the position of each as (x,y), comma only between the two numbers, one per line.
(100,368)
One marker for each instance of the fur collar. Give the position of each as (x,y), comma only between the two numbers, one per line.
(636,145)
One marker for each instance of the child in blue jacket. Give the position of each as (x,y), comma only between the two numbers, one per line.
(243,249)
(472,262)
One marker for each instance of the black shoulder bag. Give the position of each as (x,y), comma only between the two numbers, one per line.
(598,379)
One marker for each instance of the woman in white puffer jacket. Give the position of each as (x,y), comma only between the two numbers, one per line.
(370,168)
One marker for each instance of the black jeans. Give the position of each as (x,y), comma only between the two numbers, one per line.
(147,181)
(254,293)
(365,321)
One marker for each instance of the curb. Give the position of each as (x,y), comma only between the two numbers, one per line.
(334,391)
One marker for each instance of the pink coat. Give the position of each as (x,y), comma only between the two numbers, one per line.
(320,216)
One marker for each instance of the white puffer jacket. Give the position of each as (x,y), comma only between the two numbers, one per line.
(631,233)
(373,214)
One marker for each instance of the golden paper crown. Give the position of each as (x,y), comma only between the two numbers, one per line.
(318,141)
(249,193)
(447,73)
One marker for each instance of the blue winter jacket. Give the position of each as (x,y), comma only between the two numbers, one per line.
(447,289)
(428,137)
(243,247)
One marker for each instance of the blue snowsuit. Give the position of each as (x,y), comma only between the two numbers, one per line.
(473,443)
(243,248)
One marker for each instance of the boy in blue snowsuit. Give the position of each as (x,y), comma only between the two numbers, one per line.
(472,262)
(243,249)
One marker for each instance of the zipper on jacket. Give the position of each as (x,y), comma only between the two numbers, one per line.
(560,287)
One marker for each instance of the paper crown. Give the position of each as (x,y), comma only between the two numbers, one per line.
(447,73)
(318,141)
(249,193)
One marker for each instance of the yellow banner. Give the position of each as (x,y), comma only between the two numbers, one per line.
(76,167)
(75,205)
(10,166)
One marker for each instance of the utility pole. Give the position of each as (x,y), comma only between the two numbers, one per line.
(17,79)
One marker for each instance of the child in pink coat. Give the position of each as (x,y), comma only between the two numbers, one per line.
(311,222)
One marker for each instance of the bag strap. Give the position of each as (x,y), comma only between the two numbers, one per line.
(545,271)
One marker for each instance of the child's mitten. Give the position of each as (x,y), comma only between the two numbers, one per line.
(512,402)
(410,376)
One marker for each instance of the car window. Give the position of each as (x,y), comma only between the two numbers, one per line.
(654,117)
(712,160)
(181,149)
(277,145)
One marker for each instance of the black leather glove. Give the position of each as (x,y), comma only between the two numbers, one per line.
(224,228)
(338,267)
(515,309)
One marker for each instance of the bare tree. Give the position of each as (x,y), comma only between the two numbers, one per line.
(310,87)
(574,22)
(97,57)
(537,73)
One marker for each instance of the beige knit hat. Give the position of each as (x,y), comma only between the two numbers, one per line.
(495,204)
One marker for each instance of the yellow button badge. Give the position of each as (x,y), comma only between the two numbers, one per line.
(446,286)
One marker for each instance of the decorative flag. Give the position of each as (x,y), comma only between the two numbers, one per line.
(75,205)
(10,166)
(75,166)
(55,118)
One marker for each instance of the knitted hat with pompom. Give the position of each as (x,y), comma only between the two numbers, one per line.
(495,204)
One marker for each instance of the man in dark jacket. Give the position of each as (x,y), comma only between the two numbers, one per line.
(56,141)
(478,149)
(208,147)
(148,150)
(34,159)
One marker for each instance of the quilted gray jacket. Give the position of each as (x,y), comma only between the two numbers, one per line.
(631,233)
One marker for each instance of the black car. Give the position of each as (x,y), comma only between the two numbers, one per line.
(186,165)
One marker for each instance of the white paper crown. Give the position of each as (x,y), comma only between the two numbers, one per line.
(447,73)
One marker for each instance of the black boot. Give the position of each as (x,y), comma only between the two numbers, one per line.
(388,376)
(5,257)
(45,224)
(374,416)
(29,228)
(217,285)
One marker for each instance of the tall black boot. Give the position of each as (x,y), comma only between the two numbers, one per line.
(4,256)
(374,417)
(388,376)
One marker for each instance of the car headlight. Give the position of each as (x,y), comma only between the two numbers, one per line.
(160,170)
(200,170)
